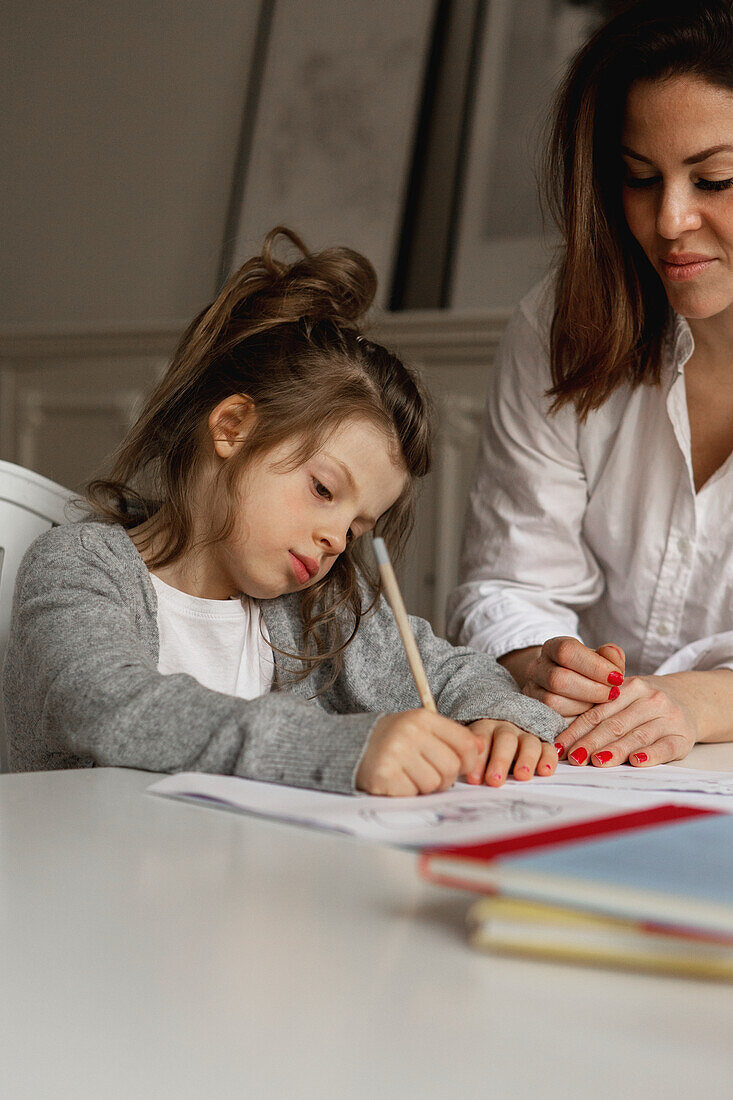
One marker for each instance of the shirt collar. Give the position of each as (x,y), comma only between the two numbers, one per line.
(679,343)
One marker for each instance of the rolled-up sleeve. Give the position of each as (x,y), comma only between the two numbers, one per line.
(525,568)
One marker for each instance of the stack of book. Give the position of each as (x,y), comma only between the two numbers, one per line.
(651,890)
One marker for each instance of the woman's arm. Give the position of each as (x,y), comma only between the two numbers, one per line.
(526,569)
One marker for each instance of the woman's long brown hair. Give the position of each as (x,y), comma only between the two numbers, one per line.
(288,336)
(611,310)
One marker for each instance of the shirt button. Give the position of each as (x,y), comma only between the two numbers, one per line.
(683,545)
(663,629)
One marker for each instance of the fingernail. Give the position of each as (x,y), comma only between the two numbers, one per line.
(615,678)
(579,756)
(496,777)
(560,748)
(604,757)
(523,768)
(473,779)
(614,693)
(641,757)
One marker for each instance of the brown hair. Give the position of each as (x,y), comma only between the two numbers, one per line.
(611,309)
(287,335)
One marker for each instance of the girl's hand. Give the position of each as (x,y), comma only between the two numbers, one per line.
(506,744)
(571,678)
(649,723)
(417,752)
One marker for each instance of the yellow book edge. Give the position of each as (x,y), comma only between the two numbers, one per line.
(534,929)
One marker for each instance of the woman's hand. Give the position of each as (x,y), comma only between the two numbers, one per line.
(568,676)
(505,744)
(417,752)
(649,723)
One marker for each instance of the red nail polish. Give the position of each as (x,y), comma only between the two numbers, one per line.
(560,748)
(604,757)
(579,756)
(615,678)
(641,757)
(614,693)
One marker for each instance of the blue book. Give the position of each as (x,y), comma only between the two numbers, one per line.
(675,876)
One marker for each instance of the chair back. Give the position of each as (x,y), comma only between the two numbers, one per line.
(29,505)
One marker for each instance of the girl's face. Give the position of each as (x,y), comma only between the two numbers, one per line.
(292,524)
(677,145)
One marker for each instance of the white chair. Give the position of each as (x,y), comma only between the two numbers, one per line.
(29,505)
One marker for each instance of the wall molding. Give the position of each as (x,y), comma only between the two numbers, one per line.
(66,399)
(434,335)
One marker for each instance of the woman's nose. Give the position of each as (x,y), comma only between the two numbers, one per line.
(678,212)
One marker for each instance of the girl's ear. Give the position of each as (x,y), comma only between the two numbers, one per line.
(230,423)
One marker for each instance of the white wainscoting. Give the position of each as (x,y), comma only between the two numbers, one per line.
(66,401)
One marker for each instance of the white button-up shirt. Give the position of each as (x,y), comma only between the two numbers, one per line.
(594,529)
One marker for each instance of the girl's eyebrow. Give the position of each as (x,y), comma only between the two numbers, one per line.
(694,159)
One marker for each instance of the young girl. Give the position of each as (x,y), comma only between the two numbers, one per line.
(214,611)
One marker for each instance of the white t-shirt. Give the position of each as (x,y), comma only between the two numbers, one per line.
(221,643)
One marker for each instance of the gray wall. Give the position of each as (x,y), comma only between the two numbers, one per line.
(121,122)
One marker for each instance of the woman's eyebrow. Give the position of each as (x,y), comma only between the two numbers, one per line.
(694,159)
(708,153)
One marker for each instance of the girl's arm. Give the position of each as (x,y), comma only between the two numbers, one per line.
(467,685)
(82,687)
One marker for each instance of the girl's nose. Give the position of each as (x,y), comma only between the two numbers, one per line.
(678,212)
(332,541)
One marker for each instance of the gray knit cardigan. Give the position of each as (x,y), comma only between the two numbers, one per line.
(82,688)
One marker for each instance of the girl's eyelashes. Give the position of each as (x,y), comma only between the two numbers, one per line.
(321,490)
(639,183)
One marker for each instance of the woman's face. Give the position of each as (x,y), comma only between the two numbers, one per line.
(677,145)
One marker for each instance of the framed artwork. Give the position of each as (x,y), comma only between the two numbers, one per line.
(329,126)
(501,245)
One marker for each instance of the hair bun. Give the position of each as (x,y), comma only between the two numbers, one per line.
(336,284)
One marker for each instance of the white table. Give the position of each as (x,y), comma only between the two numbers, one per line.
(150,948)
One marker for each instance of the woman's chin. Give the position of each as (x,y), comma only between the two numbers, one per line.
(696,303)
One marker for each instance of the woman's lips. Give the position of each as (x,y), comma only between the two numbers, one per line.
(304,568)
(685,266)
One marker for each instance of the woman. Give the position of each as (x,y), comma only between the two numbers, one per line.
(603,502)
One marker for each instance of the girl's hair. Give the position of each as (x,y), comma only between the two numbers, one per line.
(610,307)
(287,336)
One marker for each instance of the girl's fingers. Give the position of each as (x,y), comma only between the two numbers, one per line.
(547,763)
(459,738)
(527,757)
(572,654)
(503,750)
(476,774)
(423,775)
(446,762)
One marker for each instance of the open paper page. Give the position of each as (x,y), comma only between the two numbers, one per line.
(463,814)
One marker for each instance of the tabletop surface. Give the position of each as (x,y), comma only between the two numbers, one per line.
(151,948)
